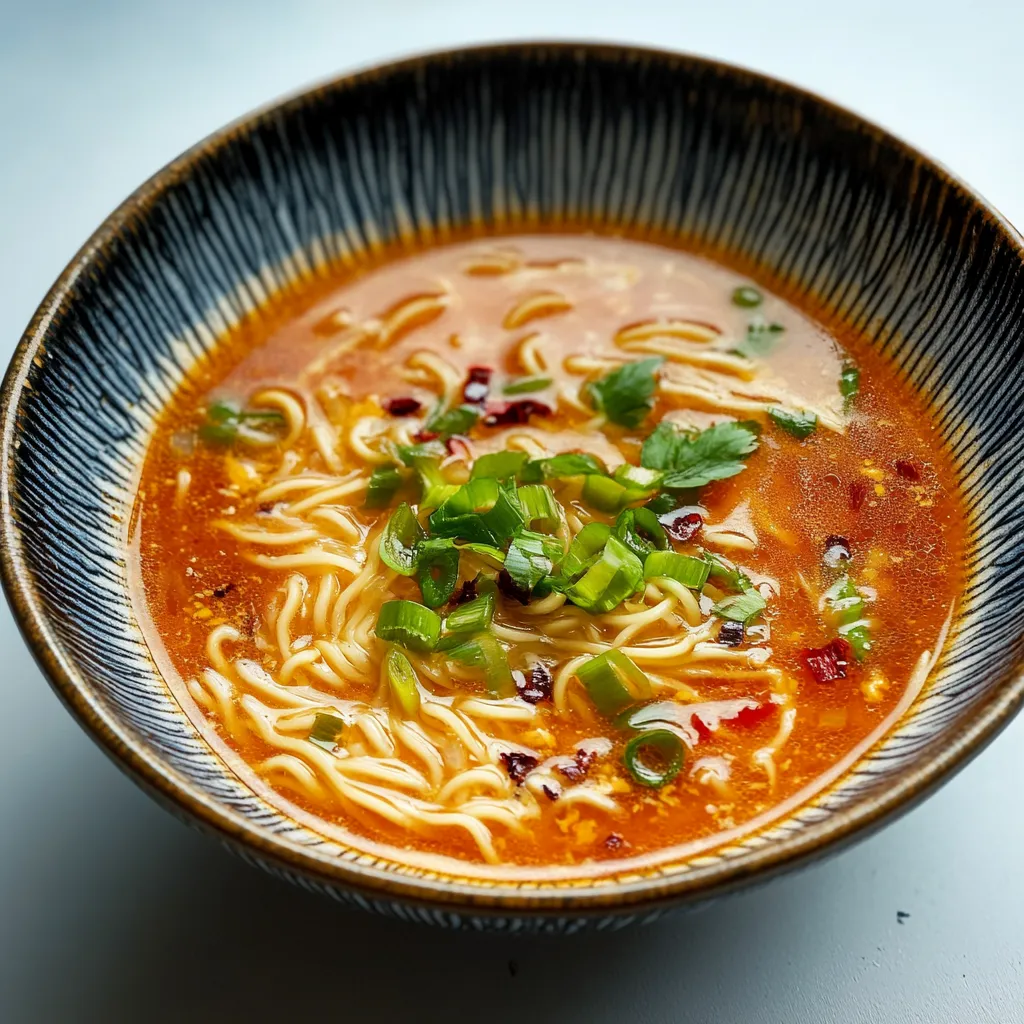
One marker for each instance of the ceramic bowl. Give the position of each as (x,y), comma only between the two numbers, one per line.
(771,179)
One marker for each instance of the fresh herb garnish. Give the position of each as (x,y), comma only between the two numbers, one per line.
(760,339)
(849,383)
(625,395)
(459,420)
(799,424)
(695,459)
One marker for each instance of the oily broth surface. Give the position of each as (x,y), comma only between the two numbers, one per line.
(907,534)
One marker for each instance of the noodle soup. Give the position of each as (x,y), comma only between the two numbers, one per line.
(544,553)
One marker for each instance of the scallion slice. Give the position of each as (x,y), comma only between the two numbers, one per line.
(437,570)
(487,553)
(499,465)
(639,478)
(472,617)
(614,576)
(613,682)
(459,420)
(402,683)
(560,466)
(400,539)
(584,550)
(540,508)
(384,483)
(844,608)
(640,531)
(654,758)
(799,424)
(740,607)
(530,557)
(482,511)
(849,382)
(326,731)
(526,385)
(685,569)
(426,449)
(726,574)
(485,652)
(604,493)
(412,625)
(746,297)
(434,489)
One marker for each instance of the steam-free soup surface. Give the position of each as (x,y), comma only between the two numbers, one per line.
(542,552)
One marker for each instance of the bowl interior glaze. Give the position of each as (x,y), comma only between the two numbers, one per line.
(833,212)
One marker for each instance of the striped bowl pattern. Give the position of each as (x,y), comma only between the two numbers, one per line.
(793,189)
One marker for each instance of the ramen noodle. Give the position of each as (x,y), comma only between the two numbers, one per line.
(543,552)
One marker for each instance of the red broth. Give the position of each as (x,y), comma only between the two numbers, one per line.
(262,586)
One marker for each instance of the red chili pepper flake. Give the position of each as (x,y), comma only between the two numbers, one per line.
(422,436)
(537,686)
(701,728)
(613,841)
(858,494)
(731,633)
(264,508)
(681,526)
(550,792)
(837,549)
(577,770)
(515,412)
(517,764)
(466,593)
(828,663)
(750,717)
(478,385)
(908,470)
(223,590)
(456,445)
(402,406)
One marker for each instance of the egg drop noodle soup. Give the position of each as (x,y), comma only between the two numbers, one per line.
(546,555)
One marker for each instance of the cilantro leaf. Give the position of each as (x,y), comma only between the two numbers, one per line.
(459,420)
(695,459)
(625,394)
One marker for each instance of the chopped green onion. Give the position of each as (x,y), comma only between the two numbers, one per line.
(487,553)
(434,489)
(459,420)
(410,624)
(326,731)
(402,683)
(499,465)
(426,449)
(625,395)
(740,607)
(540,507)
(614,576)
(482,511)
(485,652)
(799,424)
(660,744)
(662,503)
(560,466)
(531,557)
(726,573)
(639,478)
(384,482)
(849,382)
(585,548)
(604,493)
(844,608)
(472,617)
(746,297)
(691,572)
(613,682)
(225,421)
(640,531)
(437,570)
(399,541)
(524,385)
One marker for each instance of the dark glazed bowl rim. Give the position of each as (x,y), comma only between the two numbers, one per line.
(645,893)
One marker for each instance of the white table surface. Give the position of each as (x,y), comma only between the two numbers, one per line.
(112,911)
